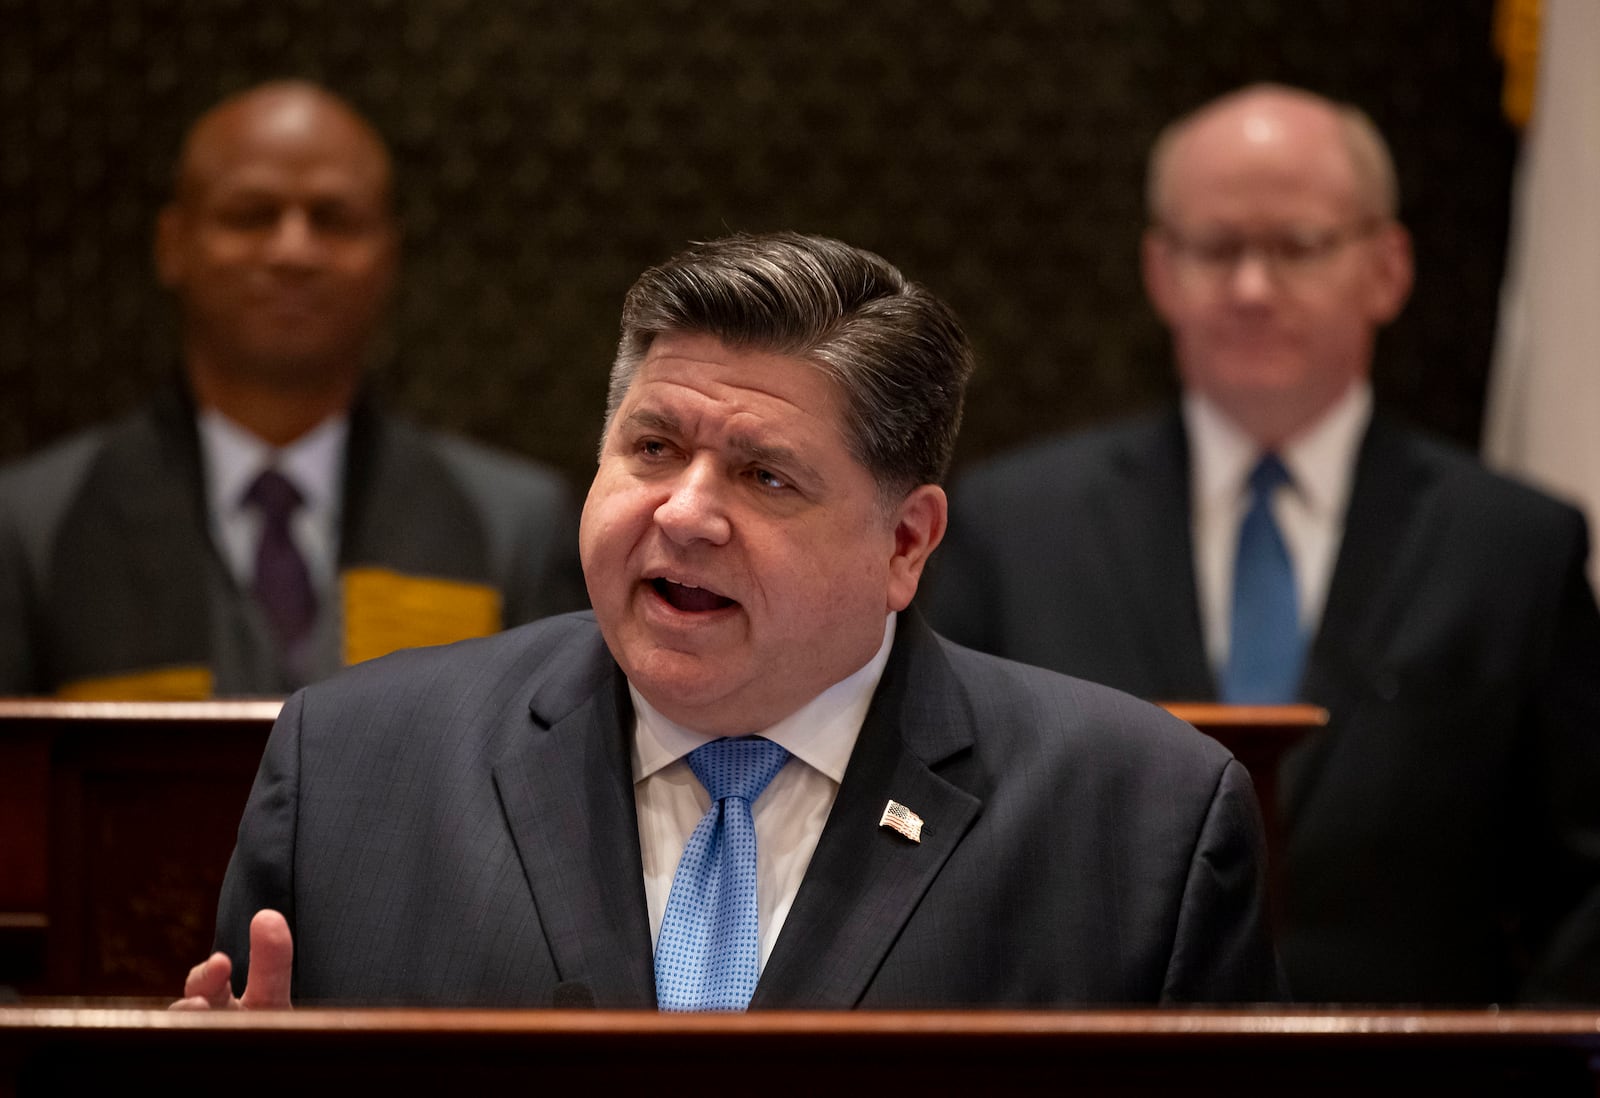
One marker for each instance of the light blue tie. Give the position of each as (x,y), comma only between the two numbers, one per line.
(1265,650)
(708,954)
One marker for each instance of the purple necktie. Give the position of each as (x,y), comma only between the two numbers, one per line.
(282,584)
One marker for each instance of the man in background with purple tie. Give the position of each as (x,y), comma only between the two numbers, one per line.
(752,776)
(1273,539)
(261,524)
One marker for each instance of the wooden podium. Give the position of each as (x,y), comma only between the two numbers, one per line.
(116,822)
(78,1050)
(117,819)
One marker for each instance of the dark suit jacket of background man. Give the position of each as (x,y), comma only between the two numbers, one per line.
(107,566)
(457,826)
(1443,835)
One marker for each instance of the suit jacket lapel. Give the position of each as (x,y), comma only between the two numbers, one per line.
(1384,526)
(1152,539)
(567,791)
(864,880)
(133,553)
(403,508)
(1385,517)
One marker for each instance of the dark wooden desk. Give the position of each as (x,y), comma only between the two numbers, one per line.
(116,822)
(117,819)
(89,1049)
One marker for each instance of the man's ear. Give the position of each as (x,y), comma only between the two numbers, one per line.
(1393,272)
(169,246)
(919,527)
(1155,265)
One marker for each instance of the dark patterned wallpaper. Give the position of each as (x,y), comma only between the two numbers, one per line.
(548,150)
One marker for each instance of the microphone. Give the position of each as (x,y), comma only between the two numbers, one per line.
(572,995)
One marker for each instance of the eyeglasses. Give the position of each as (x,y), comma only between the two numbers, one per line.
(1289,253)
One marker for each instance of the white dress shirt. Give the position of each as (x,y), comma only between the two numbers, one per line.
(232,458)
(1310,511)
(788,815)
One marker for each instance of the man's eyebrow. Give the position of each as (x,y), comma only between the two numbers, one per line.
(651,420)
(779,457)
(749,448)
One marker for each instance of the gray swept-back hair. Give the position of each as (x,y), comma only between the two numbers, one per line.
(896,352)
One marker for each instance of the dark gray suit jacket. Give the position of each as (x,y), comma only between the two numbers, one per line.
(107,566)
(457,826)
(1443,836)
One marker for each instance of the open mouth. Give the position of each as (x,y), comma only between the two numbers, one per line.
(693,600)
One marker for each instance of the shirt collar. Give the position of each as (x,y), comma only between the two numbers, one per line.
(822,733)
(233,458)
(1321,459)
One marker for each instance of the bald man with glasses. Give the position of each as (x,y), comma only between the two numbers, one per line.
(1273,538)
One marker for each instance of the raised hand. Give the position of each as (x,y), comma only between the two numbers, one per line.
(208,986)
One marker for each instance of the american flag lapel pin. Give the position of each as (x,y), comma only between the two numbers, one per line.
(900,818)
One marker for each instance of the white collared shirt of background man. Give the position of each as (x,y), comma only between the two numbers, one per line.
(1310,513)
(232,458)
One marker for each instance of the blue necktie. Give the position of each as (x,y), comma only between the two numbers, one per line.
(1265,650)
(708,954)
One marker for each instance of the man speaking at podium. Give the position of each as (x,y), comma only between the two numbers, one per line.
(752,776)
